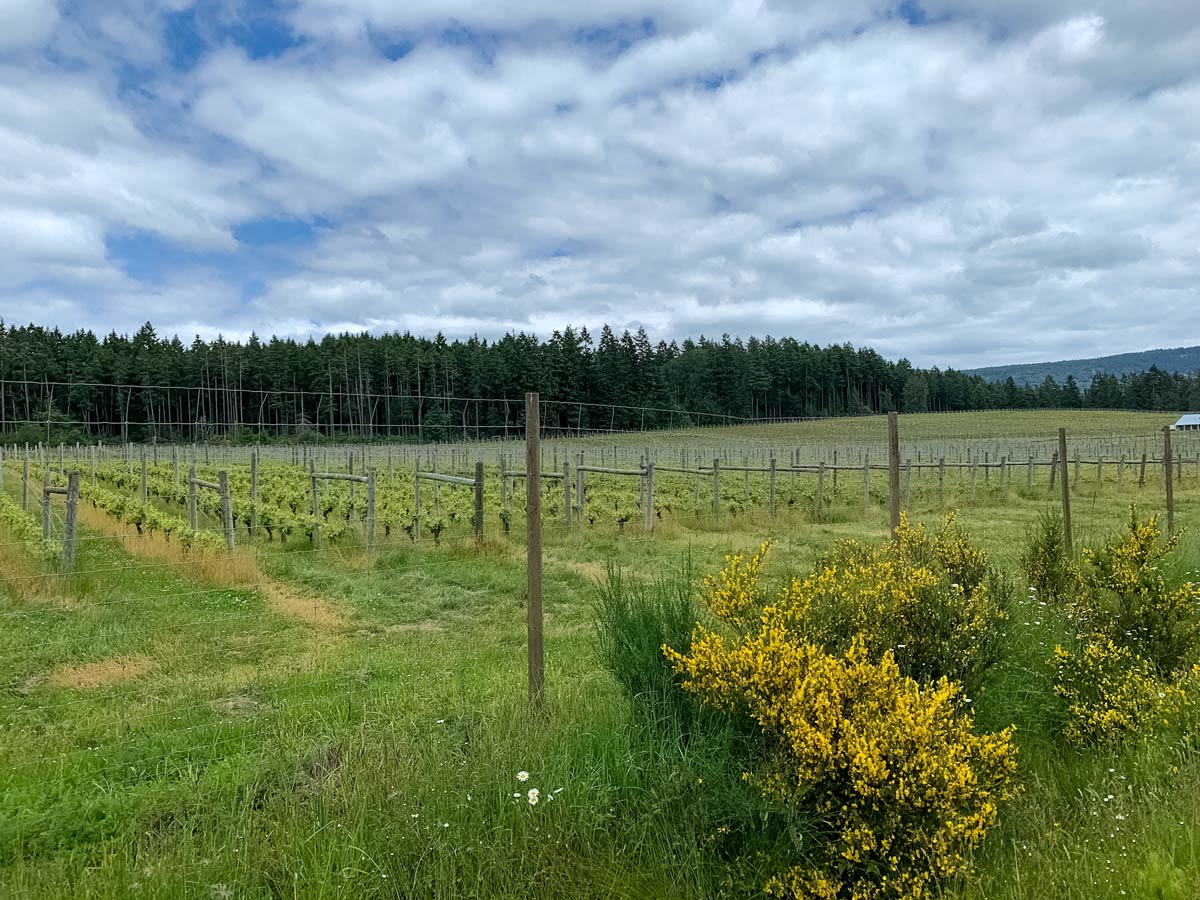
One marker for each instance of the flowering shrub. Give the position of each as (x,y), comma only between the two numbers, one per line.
(1112,694)
(895,771)
(1129,597)
(1128,673)
(733,594)
(932,600)
(890,766)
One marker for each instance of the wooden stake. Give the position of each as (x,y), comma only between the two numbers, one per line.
(894,470)
(67,564)
(1066,490)
(1167,472)
(533,559)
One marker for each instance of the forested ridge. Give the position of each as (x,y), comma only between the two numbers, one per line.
(78,386)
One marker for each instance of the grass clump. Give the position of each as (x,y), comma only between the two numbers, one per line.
(1051,572)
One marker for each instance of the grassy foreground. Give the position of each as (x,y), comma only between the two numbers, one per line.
(329,725)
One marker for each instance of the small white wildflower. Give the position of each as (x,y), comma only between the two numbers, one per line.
(522,775)
(534,795)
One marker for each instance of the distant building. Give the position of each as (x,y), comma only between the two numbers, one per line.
(1190,422)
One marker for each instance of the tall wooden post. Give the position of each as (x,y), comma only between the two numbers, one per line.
(371,508)
(1066,490)
(649,495)
(192,512)
(566,480)
(46,501)
(316,504)
(771,491)
(533,562)
(866,485)
(25,482)
(417,501)
(254,492)
(716,486)
(144,493)
(226,510)
(67,564)
(1167,472)
(894,470)
(941,481)
(820,490)
(477,518)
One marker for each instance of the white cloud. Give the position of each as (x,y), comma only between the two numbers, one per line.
(1013,180)
(26,22)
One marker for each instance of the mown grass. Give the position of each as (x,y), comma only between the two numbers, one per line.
(222,747)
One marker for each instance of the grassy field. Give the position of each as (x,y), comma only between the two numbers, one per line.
(331,724)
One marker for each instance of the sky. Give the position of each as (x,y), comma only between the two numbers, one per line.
(958,183)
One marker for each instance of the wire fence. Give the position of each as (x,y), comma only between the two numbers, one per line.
(248,648)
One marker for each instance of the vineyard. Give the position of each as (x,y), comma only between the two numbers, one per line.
(296,670)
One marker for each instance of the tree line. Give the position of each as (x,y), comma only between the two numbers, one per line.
(76,386)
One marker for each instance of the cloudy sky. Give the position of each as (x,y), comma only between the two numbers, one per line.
(962,183)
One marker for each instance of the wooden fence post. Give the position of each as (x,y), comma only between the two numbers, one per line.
(25,482)
(1167,472)
(566,480)
(716,486)
(649,495)
(144,493)
(533,561)
(1066,490)
(941,481)
(192,512)
(1053,469)
(417,500)
(371,508)
(46,501)
(67,563)
(253,492)
(771,491)
(579,487)
(477,518)
(316,504)
(820,490)
(894,471)
(1142,471)
(226,510)
(866,485)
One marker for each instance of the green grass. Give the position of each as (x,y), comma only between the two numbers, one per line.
(244,752)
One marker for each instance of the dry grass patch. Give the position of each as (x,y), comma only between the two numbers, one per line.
(237,571)
(99,674)
(311,610)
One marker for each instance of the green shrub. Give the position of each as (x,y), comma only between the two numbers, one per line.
(1049,569)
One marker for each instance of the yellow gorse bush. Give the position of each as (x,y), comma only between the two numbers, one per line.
(1129,597)
(1127,675)
(929,599)
(890,765)
(734,595)
(1112,694)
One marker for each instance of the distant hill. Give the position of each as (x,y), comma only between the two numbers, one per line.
(1179,359)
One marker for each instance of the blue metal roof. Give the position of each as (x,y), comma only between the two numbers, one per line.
(1189,419)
